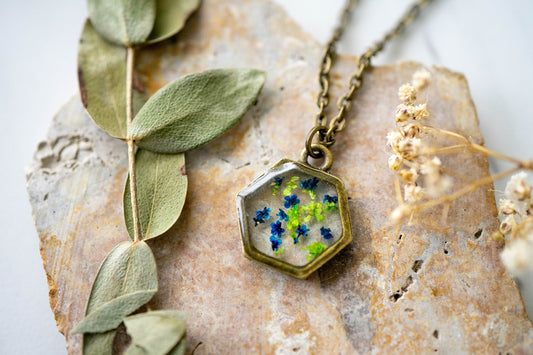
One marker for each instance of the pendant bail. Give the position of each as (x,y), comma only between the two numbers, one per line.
(323,152)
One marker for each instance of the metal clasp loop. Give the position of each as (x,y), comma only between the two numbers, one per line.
(323,152)
(322,140)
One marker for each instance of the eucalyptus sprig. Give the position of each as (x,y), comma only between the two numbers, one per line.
(181,116)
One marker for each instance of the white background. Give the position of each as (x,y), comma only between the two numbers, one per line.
(489,41)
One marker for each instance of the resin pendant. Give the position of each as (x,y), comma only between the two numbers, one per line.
(294,218)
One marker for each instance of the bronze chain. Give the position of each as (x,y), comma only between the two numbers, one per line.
(327,131)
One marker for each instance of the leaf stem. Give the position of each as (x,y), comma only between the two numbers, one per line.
(130,60)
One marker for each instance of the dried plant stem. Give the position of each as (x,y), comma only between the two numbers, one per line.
(463,191)
(130,60)
(470,145)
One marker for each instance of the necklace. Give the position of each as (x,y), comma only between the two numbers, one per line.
(295,217)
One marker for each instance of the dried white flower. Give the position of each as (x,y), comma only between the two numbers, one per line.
(404,112)
(421,79)
(507,207)
(412,192)
(437,185)
(518,188)
(508,224)
(409,175)
(517,256)
(529,207)
(395,161)
(400,213)
(431,167)
(411,130)
(394,138)
(409,148)
(420,112)
(407,93)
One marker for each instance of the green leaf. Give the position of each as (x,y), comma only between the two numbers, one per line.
(99,343)
(126,22)
(102,80)
(156,333)
(179,349)
(126,280)
(195,109)
(170,18)
(161,192)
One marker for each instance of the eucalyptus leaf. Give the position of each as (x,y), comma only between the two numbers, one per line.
(195,109)
(161,192)
(170,18)
(179,349)
(102,81)
(126,280)
(99,343)
(126,22)
(156,333)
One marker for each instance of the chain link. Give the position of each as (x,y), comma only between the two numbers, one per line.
(344,103)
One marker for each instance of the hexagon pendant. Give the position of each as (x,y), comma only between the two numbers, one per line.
(294,218)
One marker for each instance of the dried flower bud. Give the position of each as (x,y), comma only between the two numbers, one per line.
(497,236)
(507,207)
(412,193)
(508,224)
(431,167)
(409,148)
(518,188)
(411,130)
(420,112)
(409,175)
(395,161)
(437,184)
(400,213)
(517,256)
(394,138)
(404,112)
(407,93)
(421,79)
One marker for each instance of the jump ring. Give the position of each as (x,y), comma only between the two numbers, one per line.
(324,152)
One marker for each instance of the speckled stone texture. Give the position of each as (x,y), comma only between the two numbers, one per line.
(414,290)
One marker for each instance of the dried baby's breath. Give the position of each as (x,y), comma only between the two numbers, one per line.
(426,183)
(407,93)
(421,79)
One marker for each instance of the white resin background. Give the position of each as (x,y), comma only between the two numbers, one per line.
(488,41)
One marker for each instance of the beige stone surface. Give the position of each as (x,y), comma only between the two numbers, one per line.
(408,290)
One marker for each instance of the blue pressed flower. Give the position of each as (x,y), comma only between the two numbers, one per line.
(275,242)
(309,184)
(278,180)
(291,201)
(302,231)
(262,215)
(331,199)
(326,233)
(282,215)
(276,229)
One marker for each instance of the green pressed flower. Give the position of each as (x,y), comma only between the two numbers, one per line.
(294,214)
(292,184)
(276,184)
(315,250)
(330,203)
(314,209)
(279,252)
(311,194)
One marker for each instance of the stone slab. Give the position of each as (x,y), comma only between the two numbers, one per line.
(409,290)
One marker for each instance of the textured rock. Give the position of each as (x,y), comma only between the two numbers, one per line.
(411,290)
